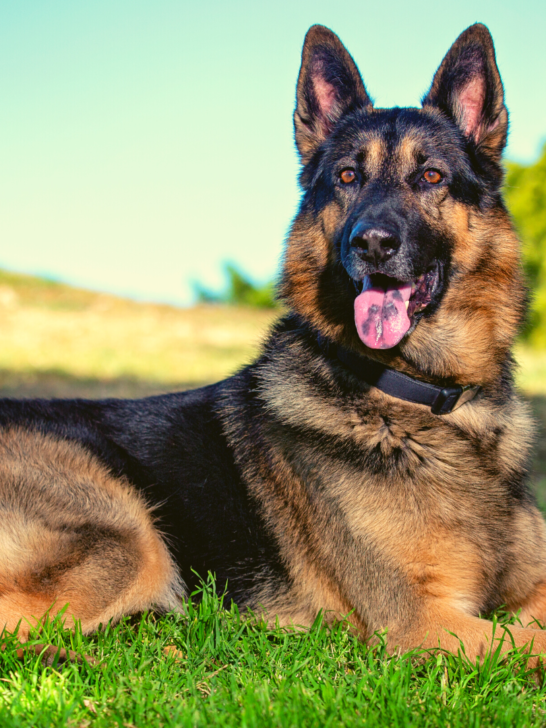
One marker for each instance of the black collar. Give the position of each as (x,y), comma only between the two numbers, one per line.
(441,400)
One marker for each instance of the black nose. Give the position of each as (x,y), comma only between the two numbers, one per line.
(373,244)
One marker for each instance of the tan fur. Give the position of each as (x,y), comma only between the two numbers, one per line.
(374,152)
(72,534)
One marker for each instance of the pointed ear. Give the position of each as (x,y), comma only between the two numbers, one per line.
(467,87)
(329,85)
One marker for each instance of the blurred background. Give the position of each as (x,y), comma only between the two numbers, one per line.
(148,176)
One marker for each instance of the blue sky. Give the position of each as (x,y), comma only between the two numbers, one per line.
(144,142)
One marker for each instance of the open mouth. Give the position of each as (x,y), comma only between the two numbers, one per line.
(385,307)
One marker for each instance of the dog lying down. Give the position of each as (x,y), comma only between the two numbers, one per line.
(372,461)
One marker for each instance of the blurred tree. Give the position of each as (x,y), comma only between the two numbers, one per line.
(240,291)
(525,190)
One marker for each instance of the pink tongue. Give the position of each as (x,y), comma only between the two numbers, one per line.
(380,315)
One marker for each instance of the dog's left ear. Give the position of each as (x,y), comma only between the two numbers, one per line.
(468,88)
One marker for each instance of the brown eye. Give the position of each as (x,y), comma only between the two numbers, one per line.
(347,176)
(432,176)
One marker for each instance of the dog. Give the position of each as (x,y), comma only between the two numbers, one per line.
(372,461)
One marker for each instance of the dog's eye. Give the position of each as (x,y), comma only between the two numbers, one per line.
(432,176)
(347,176)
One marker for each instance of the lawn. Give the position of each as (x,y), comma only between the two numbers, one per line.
(211,666)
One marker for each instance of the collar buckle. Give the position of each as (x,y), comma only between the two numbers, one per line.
(451,398)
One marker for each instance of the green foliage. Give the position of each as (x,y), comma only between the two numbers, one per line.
(525,191)
(240,291)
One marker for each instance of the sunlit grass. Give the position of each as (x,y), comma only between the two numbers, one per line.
(214,666)
(118,339)
(54,328)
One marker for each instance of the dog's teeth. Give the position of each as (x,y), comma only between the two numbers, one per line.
(407,304)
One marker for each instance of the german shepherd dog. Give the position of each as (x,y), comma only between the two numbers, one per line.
(372,461)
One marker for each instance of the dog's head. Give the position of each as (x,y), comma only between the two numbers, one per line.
(402,249)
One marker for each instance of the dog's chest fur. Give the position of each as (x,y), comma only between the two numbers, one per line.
(405,489)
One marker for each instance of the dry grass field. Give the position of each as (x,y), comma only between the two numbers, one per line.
(59,341)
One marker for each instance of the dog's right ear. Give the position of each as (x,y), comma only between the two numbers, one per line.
(329,85)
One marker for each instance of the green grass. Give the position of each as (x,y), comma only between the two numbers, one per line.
(211,667)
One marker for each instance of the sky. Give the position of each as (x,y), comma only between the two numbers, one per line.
(144,143)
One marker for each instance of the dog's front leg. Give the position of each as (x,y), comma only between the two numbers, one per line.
(532,611)
(445,628)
